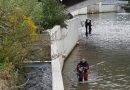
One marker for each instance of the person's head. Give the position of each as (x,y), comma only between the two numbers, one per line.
(87,20)
(83,60)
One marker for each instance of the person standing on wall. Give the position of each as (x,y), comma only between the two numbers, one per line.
(82,70)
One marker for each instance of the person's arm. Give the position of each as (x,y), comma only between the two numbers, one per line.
(87,67)
(77,68)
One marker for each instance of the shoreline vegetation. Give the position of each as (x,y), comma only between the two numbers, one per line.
(126,7)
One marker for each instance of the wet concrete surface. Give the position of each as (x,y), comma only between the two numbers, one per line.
(107,51)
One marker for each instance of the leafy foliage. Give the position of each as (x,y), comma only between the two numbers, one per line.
(17,33)
(53,14)
(18,19)
(29,7)
(17,29)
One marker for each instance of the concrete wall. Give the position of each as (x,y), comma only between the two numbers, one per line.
(62,42)
(107,7)
(40,50)
(93,8)
(96,8)
(122,2)
(80,11)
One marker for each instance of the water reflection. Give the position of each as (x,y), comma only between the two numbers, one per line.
(107,50)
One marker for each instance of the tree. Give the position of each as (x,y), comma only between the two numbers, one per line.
(53,14)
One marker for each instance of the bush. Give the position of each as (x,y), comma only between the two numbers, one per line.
(17,30)
(53,14)
(29,7)
(17,33)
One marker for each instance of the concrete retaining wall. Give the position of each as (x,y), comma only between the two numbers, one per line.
(107,8)
(80,11)
(93,8)
(96,8)
(62,42)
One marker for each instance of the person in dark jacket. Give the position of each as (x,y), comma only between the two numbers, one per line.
(86,26)
(82,70)
(90,27)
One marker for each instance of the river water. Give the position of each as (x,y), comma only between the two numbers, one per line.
(107,51)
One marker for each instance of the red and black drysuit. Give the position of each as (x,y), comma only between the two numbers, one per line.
(82,70)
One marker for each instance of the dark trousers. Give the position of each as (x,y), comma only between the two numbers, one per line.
(90,29)
(82,76)
(86,33)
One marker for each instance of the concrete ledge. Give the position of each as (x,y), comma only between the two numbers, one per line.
(57,81)
(62,44)
(80,11)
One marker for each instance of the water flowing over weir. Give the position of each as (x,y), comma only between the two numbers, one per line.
(39,77)
(107,51)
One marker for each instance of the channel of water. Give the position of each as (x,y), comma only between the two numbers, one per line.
(107,51)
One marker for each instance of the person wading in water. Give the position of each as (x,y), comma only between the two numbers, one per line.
(88,26)
(82,70)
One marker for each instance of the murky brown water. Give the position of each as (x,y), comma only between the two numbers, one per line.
(107,51)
